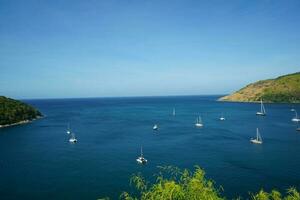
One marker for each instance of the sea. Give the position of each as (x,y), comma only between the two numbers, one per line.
(37,161)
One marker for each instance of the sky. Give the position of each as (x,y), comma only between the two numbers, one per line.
(108,48)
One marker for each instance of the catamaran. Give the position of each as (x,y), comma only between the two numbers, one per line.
(174,112)
(141,159)
(262,111)
(295,119)
(258,139)
(222,118)
(68,130)
(73,139)
(155,127)
(199,122)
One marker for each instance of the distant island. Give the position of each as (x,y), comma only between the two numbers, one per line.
(284,89)
(14,112)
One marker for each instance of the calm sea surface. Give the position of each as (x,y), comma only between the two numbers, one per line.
(38,162)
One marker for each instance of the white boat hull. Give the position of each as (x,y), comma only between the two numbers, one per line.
(73,140)
(296,120)
(222,119)
(199,125)
(141,160)
(255,141)
(261,114)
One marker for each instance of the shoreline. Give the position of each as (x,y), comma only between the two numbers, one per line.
(232,101)
(20,122)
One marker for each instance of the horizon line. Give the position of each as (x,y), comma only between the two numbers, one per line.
(111,97)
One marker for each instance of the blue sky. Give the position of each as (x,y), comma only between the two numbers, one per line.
(56,49)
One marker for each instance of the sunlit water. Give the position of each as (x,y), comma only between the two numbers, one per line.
(38,162)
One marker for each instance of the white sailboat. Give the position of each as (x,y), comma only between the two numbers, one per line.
(258,139)
(199,122)
(73,138)
(222,118)
(68,130)
(262,111)
(296,118)
(174,112)
(155,127)
(141,159)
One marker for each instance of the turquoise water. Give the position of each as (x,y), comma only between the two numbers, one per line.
(38,162)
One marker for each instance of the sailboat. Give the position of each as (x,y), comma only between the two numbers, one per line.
(222,118)
(199,122)
(262,111)
(258,139)
(141,159)
(68,130)
(73,139)
(174,112)
(295,119)
(155,127)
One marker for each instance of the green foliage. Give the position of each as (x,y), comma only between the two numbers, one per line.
(284,89)
(292,194)
(13,111)
(175,184)
(279,97)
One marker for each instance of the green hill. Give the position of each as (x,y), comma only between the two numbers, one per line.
(284,89)
(16,112)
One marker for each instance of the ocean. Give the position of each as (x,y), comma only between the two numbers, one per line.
(38,162)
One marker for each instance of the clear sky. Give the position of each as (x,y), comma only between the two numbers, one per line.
(94,48)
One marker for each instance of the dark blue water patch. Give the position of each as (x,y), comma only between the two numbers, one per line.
(37,161)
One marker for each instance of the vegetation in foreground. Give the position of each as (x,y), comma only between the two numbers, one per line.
(173,183)
(284,89)
(14,111)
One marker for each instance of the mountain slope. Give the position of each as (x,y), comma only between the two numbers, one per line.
(16,112)
(284,89)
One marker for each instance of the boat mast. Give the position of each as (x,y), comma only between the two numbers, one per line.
(199,120)
(262,107)
(258,136)
(260,139)
(141,151)
(295,111)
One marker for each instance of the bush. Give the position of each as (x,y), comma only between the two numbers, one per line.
(174,184)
